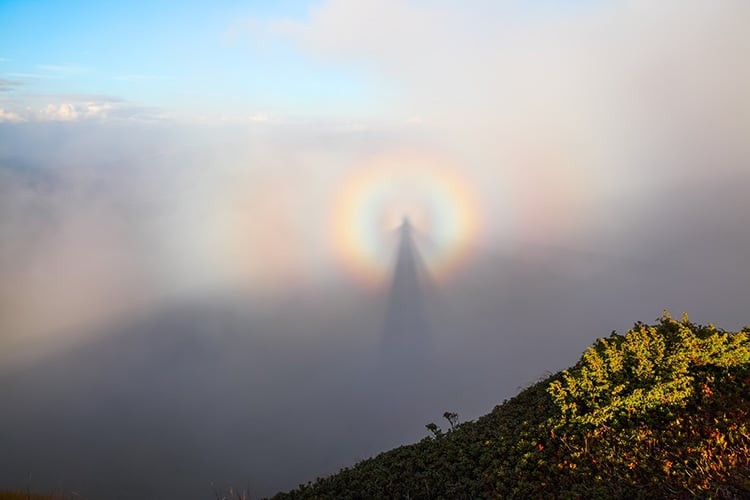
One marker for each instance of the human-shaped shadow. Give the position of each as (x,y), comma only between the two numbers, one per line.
(406,336)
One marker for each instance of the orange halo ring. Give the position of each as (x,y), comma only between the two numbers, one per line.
(373,200)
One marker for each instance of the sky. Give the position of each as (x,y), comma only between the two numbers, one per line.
(232,60)
(183,58)
(227,182)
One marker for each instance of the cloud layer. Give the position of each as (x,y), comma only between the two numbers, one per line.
(604,146)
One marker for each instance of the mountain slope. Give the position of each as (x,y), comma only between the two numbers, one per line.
(663,411)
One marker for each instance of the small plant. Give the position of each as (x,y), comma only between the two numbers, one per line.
(452,419)
(434,429)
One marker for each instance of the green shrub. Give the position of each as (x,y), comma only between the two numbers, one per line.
(651,367)
(662,411)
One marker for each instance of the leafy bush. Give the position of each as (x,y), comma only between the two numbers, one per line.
(649,368)
(662,411)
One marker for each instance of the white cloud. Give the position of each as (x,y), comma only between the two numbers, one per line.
(97,109)
(137,78)
(34,76)
(259,117)
(574,106)
(60,112)
(9,116)
(72,107)
(62,68)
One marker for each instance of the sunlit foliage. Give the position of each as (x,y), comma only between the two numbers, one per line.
(662,411)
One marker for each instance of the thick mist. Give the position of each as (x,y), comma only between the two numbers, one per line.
(143,356)
(178,315)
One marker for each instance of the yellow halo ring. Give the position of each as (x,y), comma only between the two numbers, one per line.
(375,197)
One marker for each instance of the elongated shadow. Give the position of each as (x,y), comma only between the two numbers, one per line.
(406,336)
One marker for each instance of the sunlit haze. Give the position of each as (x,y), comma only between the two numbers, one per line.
(223,213)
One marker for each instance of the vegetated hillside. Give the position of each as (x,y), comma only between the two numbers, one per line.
(663,411)
(26,495)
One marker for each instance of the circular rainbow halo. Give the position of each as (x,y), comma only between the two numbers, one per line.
(374,201)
